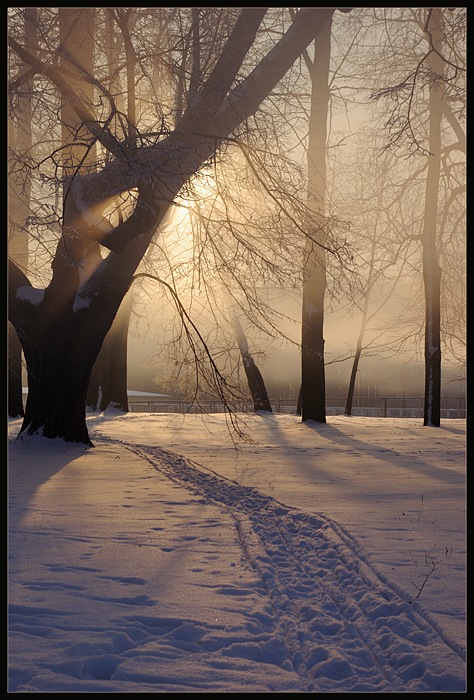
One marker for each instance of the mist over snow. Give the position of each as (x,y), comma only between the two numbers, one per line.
(169,558)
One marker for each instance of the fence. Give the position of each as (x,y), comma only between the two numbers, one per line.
(381,407)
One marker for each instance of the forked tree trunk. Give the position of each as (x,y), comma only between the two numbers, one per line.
(62,333)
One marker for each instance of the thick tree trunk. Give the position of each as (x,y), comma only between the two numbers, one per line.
(62,334)
(313,391)
(58,377)
(60,351)
(313,381)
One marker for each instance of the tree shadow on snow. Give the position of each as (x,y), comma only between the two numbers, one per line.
(377,450)
(31,462)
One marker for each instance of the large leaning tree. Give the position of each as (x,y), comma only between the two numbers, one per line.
(62,327)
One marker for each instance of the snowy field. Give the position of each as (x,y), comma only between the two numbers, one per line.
(167,559)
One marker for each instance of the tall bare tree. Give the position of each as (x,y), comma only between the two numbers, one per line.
(434,85)
(431,268)
(62,328)
(313,382)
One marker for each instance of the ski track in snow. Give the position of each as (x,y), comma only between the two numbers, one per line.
(336,622)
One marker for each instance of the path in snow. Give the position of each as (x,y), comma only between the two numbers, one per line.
(336,622)
(122,580)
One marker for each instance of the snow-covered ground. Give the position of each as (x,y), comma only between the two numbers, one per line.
(312,558)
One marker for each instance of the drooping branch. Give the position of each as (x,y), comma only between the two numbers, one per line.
(222,387)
